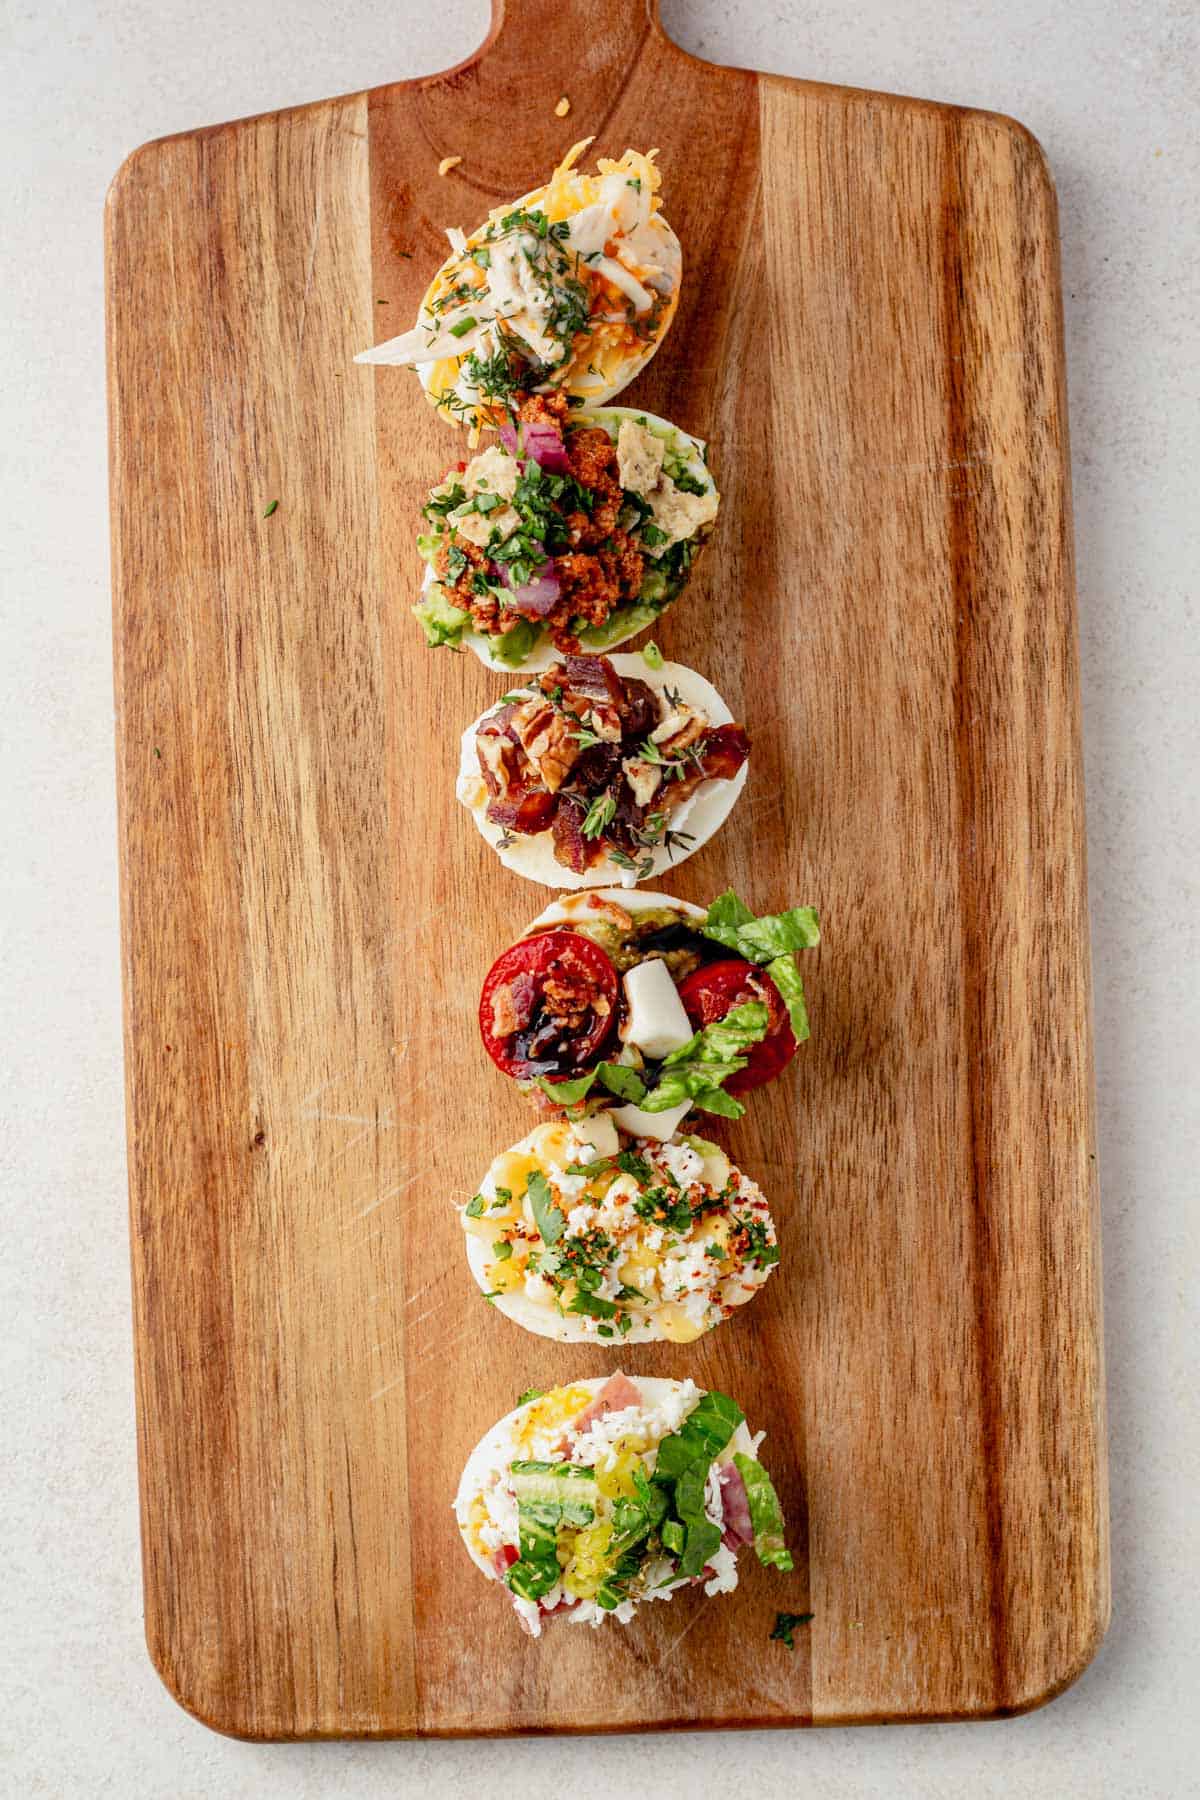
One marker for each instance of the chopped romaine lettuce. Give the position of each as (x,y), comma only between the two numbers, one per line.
(706,1431)
(766,1514)
(699,1068)
(684,1459)
(771,942)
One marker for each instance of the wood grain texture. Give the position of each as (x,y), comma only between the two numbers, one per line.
(870,339)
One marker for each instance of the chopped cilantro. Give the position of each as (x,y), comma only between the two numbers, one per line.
(592,1305)
(547,1216)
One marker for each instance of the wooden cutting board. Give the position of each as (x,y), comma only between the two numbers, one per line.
(870,339)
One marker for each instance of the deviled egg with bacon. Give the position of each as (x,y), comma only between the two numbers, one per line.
(573,532)
(602,769)
(648,1006)
(581,1234)
(587,1500)
(571,288)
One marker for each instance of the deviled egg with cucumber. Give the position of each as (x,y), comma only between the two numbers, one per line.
(587,1500)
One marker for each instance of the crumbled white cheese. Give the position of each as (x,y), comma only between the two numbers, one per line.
(538,1289)
(643,778)
(676,721)
(725,1578)
(530,1615)
(685,1164)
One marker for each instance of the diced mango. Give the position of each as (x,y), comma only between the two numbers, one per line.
(507,1277)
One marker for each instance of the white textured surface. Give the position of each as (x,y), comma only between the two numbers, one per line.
(1110,90)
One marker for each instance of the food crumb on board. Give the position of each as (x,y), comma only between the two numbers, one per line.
(447,163)
(563,108)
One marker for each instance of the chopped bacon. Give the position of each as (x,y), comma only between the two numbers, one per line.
(571,848)
(590,677)
(524,997)
(718,758)
(528,814)
(504,1013)
(514,1004)
(617,1393)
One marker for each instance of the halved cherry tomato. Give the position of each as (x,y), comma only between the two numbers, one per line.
(548,1006)
(715,989)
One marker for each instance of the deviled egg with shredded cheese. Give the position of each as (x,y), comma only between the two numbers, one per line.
(582,1234)
(572,287)
(587,1500)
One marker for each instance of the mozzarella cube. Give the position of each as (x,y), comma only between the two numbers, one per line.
(657,1022)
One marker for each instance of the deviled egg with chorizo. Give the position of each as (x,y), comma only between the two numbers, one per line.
(573,532)
(570,289)
(584,1235)
(587,1500)
(602,769)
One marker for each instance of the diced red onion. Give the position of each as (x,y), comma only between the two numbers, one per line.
(539,597)
(538,439)
(735,1507)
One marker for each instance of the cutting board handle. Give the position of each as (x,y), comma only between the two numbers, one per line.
(585,38)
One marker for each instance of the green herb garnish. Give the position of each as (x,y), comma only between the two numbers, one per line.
(547,1216)
(785,1624)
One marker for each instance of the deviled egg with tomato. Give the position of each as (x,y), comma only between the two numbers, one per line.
(587,1500)
(572,533)
(602,769)
(570,289)
(648,1006)
(581,1234)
